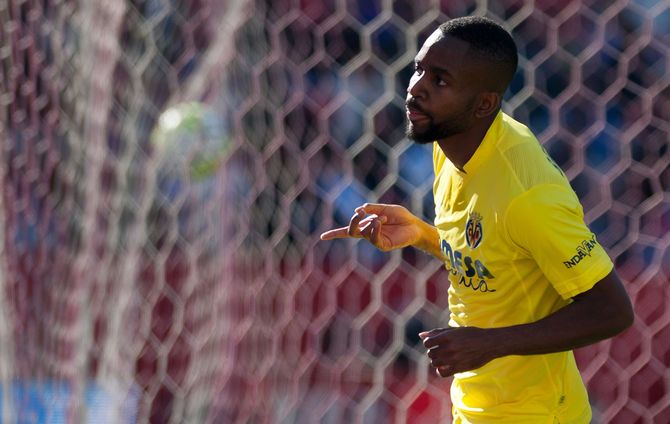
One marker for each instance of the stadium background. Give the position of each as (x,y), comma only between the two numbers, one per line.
(216,302)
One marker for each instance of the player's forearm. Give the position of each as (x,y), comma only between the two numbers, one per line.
(589,319)
(567,329)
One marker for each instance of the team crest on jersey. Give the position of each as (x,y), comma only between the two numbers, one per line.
(473,230)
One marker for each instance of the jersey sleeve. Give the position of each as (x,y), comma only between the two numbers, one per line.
(547,221)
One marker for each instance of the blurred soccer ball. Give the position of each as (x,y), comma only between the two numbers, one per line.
(191,141)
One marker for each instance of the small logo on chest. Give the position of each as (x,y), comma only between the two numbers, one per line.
(473,230)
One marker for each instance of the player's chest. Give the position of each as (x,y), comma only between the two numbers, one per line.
(472,240)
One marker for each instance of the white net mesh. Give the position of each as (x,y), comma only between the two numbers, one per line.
(128,295)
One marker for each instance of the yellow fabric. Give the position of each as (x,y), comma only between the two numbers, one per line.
(517,249)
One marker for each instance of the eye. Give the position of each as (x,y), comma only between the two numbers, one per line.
(418,69)
(440,82)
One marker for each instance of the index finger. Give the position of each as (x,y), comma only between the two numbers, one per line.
(425,334)
(433,338)
(342,232)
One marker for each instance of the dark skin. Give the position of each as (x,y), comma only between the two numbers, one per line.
(448,87)
(446,97)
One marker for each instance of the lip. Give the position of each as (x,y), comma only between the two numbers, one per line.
(415,115)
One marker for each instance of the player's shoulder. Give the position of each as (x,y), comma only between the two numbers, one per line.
(513,134)
(526,158)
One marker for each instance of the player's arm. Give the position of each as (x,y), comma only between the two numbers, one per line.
(389,227)
(597,314)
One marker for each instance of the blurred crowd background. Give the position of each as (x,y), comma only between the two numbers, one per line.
(218,302)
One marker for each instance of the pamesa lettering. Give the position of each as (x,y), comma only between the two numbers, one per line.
(472,272)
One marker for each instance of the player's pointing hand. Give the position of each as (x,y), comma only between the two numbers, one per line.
(385,226)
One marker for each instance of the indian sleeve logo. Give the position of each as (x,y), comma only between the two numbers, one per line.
(473,230)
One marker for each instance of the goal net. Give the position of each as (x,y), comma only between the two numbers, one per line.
(132,294)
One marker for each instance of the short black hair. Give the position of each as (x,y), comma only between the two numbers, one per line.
(488,41)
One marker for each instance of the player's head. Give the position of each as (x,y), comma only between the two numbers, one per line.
(461,74)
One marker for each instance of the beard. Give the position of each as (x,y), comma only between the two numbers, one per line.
(455,124)
(434,131)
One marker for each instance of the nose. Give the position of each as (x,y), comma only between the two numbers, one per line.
(416,88)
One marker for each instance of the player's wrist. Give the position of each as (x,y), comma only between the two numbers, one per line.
(428,239)
(501,342)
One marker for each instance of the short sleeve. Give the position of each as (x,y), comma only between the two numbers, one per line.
(547,222)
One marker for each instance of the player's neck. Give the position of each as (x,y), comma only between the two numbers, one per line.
(461,147)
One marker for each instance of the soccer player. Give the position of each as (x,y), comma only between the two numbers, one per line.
(529,282)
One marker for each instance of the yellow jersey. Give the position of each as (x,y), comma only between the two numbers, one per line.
(517,248)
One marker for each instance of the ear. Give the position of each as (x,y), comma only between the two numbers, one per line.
(489,103)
